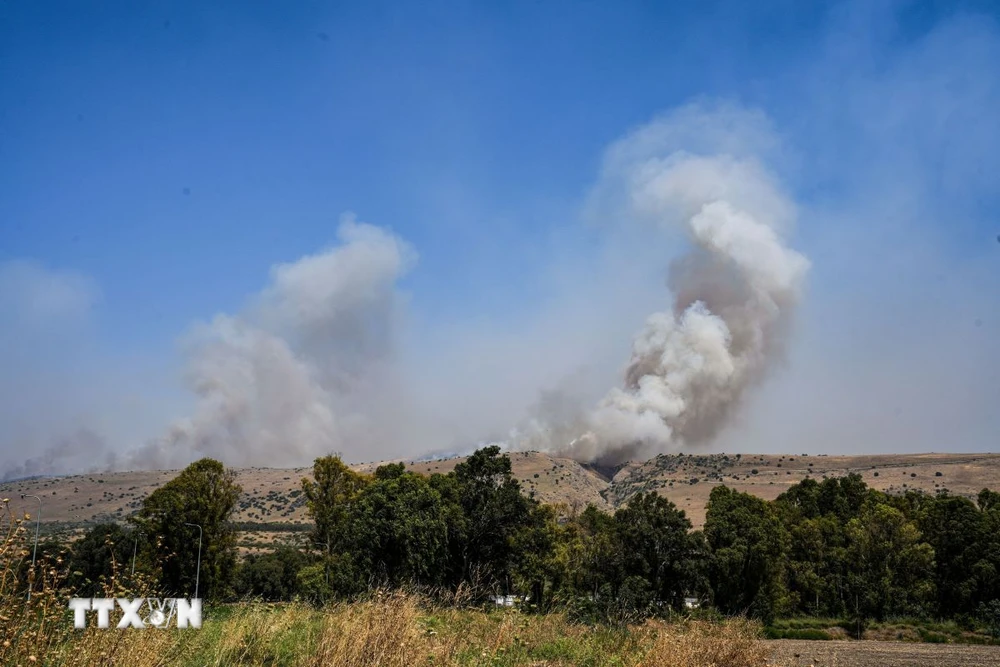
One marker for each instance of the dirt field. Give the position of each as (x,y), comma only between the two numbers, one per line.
(796,653)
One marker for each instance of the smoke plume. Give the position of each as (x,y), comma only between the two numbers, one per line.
(734,295)
(286,379)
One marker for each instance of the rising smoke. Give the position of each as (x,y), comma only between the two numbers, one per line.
(307,368)
(289,378)
(734,291)
(311,366)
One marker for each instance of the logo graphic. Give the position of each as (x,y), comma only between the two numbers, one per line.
(138,613)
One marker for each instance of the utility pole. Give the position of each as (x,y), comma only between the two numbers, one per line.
(35,550)
(197,573)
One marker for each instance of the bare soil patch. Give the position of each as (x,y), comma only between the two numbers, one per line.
(796,653)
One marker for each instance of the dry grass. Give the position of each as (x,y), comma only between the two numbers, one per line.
(39,630)
(735,644)
(383,631)
(393,629)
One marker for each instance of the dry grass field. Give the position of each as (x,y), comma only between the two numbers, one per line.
(272,495)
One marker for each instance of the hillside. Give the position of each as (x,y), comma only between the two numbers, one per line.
(273,496)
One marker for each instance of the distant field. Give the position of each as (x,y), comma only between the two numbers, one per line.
(273,496)
(796,653)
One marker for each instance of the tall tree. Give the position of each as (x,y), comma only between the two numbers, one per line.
(328,498)
(956,529)
(655,543)
(749,546)
(398,532)
(534,543)
(891,566)
(204,495)
(494,509)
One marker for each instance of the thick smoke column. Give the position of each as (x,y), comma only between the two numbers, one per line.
(735,292)
(296,374)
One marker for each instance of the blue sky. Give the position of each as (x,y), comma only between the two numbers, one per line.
(166,155)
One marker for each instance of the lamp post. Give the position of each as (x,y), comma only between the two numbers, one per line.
(35,550)
(134,547)
(197,572)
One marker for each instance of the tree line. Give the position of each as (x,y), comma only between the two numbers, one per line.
(830,548)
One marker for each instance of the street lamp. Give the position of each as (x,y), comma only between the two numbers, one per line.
(134,547)
(197,572)
(35,550)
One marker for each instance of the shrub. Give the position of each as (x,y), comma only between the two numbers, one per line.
(272,576)
(989,614)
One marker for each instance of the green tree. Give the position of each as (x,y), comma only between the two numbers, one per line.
(328,499)
(989,566)
(749,546)
(817,565)
(584,557)
(204,494)
(271,576)
(534,543)
(654,542)
(956,529)
(494,510)
(398,532)
(891,566)
(103,552)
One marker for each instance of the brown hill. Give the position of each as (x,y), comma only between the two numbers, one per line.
(272,495)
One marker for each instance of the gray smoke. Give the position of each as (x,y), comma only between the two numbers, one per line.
(285,380)
(82,450)
(735,292)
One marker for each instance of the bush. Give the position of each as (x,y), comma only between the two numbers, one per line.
(989,614)
(271,576)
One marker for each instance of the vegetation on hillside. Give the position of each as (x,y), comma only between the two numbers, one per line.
(835,551)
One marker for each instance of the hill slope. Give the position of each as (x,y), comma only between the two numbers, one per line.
(272,495)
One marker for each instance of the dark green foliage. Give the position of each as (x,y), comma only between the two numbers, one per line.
(809,633)
(654,542)
(534,543)
(749,547)
(205,494)
(956,530)
(328,498)
(271,576)
(989,614)
(832,549)
(494,510)
(397,530)
(891,566)
(104,551)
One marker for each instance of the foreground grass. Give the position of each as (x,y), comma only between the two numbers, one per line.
(394,630)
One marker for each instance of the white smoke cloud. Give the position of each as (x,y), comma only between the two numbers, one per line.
(283,381)
(735,290)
